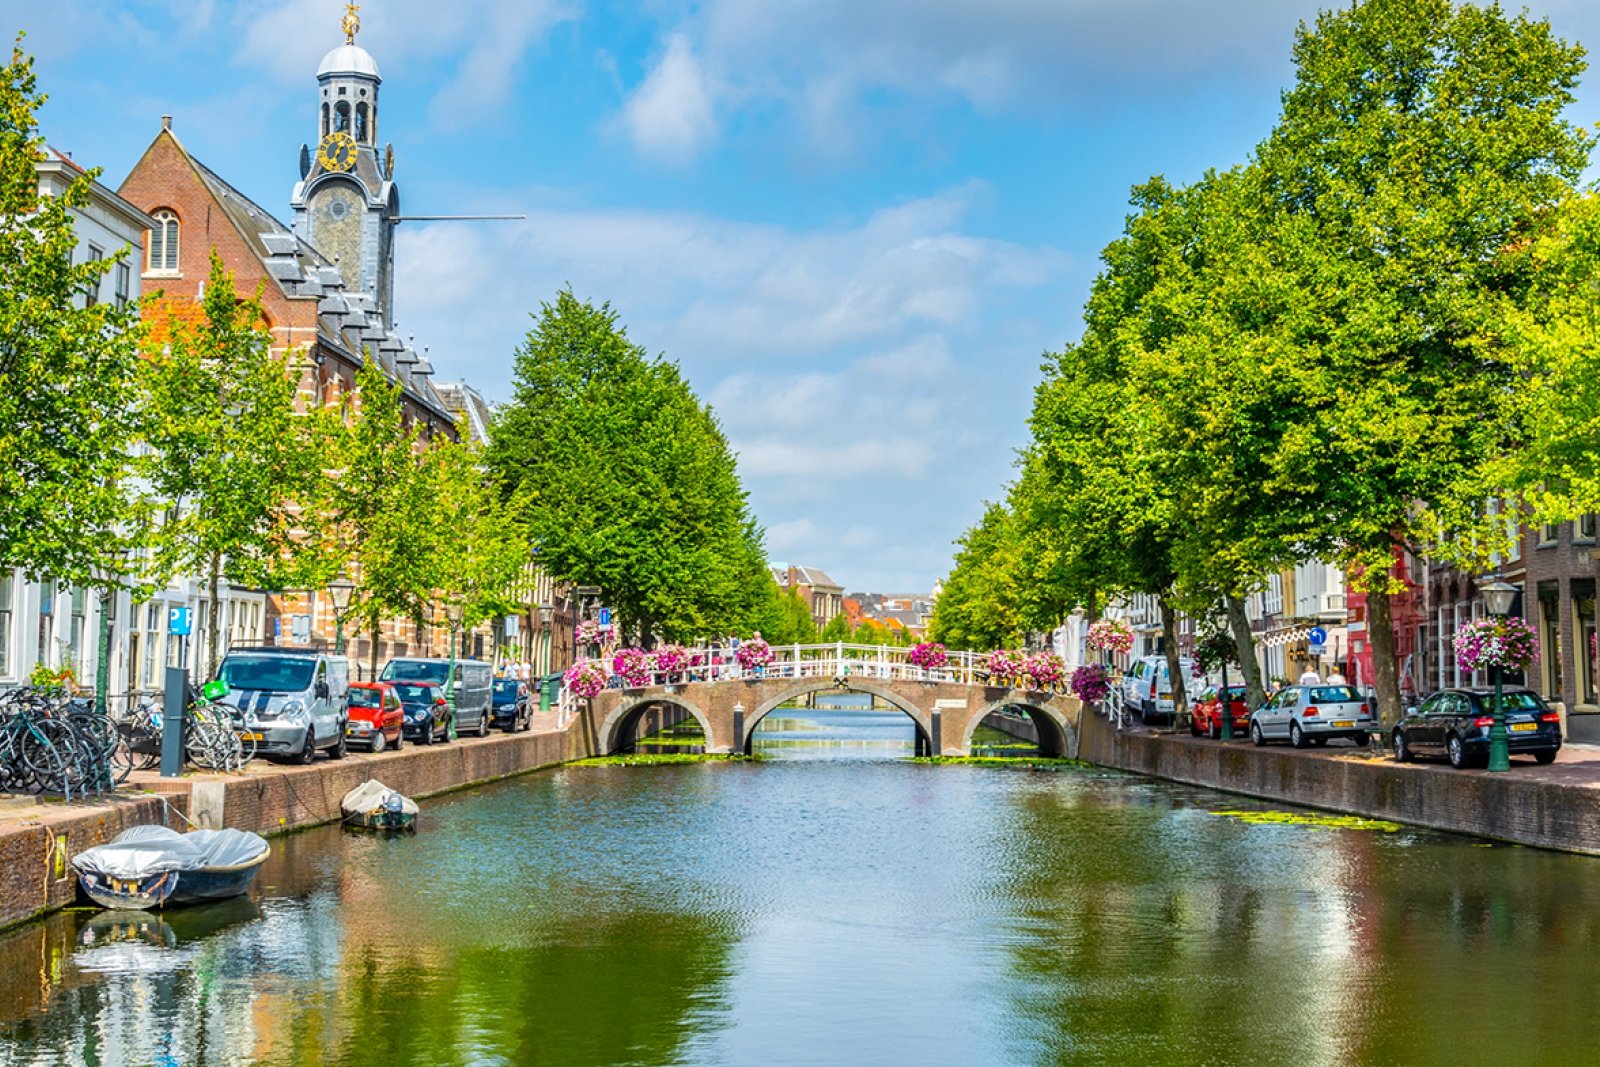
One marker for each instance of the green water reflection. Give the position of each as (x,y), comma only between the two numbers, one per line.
(836,911)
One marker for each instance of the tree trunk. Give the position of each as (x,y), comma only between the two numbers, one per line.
(372,644)
(214,620)
(1385,663)
(1169,634)
(1244,641)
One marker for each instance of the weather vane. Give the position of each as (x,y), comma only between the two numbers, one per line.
(351,23)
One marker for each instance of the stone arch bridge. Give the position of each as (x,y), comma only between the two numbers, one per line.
(945,704)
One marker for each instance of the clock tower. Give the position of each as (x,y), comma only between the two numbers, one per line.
(346,204)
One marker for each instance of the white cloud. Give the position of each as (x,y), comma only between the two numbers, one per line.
(669,116)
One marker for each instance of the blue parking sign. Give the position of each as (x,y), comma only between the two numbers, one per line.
(178,621)
(605,616)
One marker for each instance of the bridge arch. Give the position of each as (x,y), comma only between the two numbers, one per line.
(919,717)
(616,723)
(1057,736)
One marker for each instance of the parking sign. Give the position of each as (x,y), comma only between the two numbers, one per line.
(178,621)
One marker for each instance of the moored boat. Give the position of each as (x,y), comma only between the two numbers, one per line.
(153,866)
(374,806)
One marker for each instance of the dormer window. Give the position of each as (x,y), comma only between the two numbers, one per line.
(163,243)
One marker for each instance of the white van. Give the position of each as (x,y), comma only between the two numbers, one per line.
(292,699)
(1147,690)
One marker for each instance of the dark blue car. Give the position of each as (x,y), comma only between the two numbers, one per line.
(1454,723)
(513,707)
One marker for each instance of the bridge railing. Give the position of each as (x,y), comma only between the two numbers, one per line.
(839,660)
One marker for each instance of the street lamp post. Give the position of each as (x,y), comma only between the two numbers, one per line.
(1497,598)
(340,590)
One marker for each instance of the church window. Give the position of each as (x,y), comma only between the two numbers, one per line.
(341,117)
(324,120)
(164,242)
(361,123)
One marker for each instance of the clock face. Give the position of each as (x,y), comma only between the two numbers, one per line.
(337,151)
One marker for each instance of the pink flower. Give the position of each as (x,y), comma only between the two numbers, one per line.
(586,678)
(928,655)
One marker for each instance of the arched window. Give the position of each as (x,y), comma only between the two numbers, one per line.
(361,123)
(341,117)
(324,120)
(164,242)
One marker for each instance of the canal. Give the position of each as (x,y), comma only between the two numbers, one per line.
(837,904)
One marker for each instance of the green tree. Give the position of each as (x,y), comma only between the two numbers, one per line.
(785,619)
(1422,144)
(628,480)
(838,629)
(980,606)
(69,406)
(228,454)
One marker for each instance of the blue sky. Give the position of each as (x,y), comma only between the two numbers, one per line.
(857,225)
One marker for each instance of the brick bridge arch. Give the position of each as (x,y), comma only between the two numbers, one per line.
(945,712)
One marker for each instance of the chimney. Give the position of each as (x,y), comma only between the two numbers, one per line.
(166,122)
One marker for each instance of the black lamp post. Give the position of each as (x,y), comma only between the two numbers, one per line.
(1497,598)
(339,591)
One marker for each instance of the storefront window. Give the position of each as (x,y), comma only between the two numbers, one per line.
(8,589)
(1583,607)
(1550,644)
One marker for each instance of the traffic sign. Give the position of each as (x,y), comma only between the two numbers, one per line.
(1316,650)
(178,621)
(605,616)
(1317,636)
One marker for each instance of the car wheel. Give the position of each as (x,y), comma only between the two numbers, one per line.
(378,742)
(341,747)
(400,739)
(1361,739)
(1257,738)
(308,751)
(1194,728)
(1297,736)
(1144,713)
(1547,756)
(427,736)
(1402,749)
(1214,731)
(1457,752)
(483,724)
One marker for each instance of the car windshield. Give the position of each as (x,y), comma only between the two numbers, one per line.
(416,694)
(364,698)
(1520,701)
(278,674)
(1235,692)
(1332,694)
(415,671)
(506,687)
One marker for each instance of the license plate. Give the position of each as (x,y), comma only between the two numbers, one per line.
(1519,727)
(1166,696)
(1343,725)
(252,737)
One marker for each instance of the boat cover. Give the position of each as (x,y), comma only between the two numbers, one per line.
(142,851)
(372,795)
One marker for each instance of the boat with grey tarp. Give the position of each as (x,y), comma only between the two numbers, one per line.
(154,866)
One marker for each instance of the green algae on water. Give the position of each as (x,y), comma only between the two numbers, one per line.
(1317,822)
(1022,762)
(650,759)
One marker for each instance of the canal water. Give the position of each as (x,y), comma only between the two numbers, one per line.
(851,909)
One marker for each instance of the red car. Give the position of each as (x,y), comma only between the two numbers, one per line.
(376,718)
(1206,719)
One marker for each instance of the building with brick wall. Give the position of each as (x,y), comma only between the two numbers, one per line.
(823,596)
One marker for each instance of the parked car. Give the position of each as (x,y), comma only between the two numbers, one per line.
(1454,723)
(375,718)
(1206,712)
(1147,690)
(292,699)
(1307,715)
(467,687)
(427,712)
(513,705)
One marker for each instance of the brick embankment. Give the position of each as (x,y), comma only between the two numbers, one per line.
(37,839)
(1556,807)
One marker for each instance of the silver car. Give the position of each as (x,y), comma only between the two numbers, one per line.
(1311,714)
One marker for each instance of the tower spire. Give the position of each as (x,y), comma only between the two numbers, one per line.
(351,23)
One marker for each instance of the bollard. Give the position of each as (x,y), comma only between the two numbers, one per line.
(173,716)
(935,742)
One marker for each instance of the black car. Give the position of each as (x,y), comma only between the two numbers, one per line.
(513,709)
(427,712)
(1455,723)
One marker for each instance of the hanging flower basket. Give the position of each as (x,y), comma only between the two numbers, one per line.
(1215,650)
(1044,671)
(632,665)
(670,660)
(1509,643)
(754,653)
(586,632)
(1092,683)
(586,678)
(930,656)
(1004,667)
(1110,635)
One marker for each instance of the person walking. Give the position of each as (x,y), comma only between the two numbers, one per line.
(1337,677)
(1310,676)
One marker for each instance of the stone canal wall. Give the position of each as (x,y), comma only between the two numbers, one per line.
(1530,805)
(37,840)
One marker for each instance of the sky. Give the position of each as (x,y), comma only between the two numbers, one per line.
(858,226)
